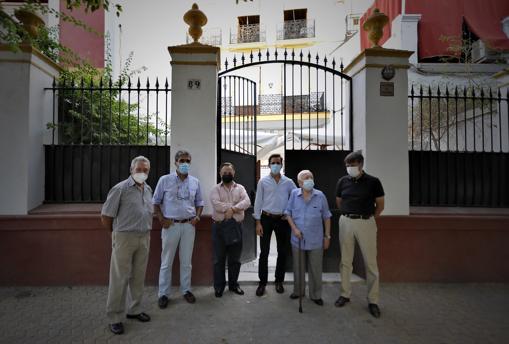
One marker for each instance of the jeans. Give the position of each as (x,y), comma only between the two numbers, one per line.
(181,236)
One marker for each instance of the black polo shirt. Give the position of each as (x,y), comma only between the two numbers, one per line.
(358,195)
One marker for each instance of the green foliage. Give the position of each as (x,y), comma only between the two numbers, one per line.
(92,111)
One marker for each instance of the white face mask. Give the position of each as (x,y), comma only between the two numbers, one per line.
(353,171)
(140,177)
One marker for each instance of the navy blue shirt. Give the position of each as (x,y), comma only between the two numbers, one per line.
(358,195)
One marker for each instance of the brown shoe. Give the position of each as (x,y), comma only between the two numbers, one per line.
(189,297)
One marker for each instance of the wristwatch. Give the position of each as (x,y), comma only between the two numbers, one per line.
(327,236)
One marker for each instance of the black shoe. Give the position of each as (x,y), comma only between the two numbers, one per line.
(341,301)
(319,302)
(218,292)
(163,302)
(260,290)
(294,296)
(117,328)
(279,288)
(237,290)
(143,317)
(189,297)
(374,310)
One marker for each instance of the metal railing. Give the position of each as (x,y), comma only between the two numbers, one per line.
(250,33)
(108,112)
(210,37)
(458,146)
(293,29)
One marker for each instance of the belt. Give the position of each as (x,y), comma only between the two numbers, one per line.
(220,222)
(183,221)
(274,216)
(358,216)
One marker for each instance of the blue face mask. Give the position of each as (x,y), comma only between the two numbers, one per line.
(183,168)
(275,168)
(308,184)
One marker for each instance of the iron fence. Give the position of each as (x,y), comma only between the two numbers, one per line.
(458,146)
(294,29)
(98,127)
(249,33)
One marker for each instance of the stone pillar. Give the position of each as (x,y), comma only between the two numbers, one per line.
(380,121)
(193,109)
(25,110)
(405,34)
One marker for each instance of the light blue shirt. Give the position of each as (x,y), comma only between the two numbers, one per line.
(271,196)
(178,198)
(308,216)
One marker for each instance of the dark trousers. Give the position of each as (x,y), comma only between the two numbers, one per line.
(221,253)
(282,230)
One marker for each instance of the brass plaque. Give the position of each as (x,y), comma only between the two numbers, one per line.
(386,89)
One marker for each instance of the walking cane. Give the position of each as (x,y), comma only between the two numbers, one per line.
(300,275)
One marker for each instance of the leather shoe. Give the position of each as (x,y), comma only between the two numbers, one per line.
(279,288)
(237,290)
(374,310)
(163,302)
(143,317)
(189,297)
(294,296)
(260,290)
(319,302)
(117,328)
(218,292)
(341,301)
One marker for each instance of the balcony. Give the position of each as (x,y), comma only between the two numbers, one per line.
(251,33)
(211,36)
(295,29)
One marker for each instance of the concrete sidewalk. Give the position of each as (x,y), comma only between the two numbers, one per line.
(411,313)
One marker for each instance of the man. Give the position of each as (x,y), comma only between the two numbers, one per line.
(360,198)
(178,205)
(272,196)
(127,214)
(308,212)
(229,201)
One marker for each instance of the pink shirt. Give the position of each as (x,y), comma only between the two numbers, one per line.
(223,198)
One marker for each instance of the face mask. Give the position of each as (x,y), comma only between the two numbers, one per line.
(140,177)
(275,168)
(353,171)
(226,178)
(308,184)
(184,168)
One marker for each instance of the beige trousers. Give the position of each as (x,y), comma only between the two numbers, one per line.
(129,257)
(364,231)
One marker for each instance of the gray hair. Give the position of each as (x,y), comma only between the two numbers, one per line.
(300,176)
(138,159)
(181,153)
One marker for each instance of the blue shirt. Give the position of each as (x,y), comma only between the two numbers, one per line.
(271,196)
(178,198)
(308,216)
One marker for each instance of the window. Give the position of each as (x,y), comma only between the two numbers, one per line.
(248,30)
(296,25)
(300,14)
(248,20)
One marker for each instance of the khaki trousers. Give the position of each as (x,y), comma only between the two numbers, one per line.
(315,259)
(129,257)
(364,231)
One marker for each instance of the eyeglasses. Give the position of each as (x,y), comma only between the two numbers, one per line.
(185,160)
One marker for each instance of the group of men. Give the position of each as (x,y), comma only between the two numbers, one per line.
(298,216)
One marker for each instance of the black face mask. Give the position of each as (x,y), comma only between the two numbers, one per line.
(226,178)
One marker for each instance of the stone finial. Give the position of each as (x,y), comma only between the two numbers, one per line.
(30,21)
(195,18)
(374,25)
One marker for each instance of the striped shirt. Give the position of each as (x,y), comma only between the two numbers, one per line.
(130,207)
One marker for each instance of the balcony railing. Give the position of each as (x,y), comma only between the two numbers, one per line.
(209,37)
(250,33)
(293,29)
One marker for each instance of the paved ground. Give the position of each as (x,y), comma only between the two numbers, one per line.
(411,313)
